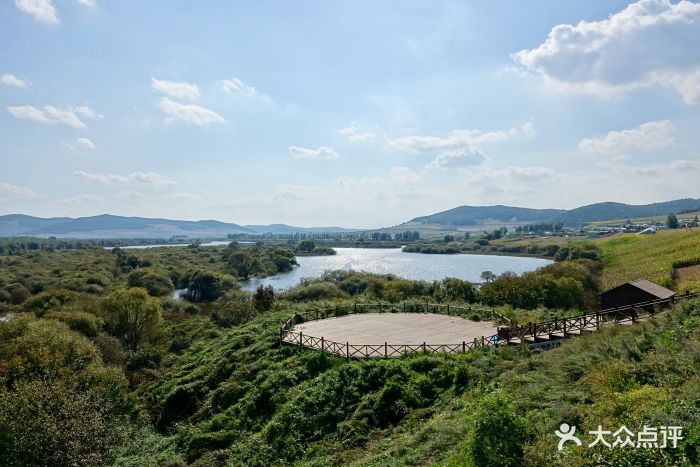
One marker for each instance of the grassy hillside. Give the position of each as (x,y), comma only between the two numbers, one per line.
(630,256)
(238,399)
(508,215)
(82,382)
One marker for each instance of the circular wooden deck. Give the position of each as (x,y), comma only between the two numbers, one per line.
(398,329)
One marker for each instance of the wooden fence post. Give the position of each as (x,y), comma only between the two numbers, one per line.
(404,307)
(427,307)
(423,347)
(483,341)
(347,350)
(316,314)
(355,307)
(323,346)
(386,350)
(464,346)
(448,309)
(597,320)
(564,327)
(301,339)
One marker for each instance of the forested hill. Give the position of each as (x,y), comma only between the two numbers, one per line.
(478,215)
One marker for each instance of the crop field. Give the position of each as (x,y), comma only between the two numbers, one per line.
(660,217)
(629,256)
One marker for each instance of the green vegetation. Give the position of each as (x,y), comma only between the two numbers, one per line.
(672,221)
(628,257)
(99,366)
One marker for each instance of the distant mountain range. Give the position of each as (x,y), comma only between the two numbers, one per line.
(474,216)
(116,227)
(108,226)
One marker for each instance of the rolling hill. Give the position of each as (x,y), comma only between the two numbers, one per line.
(109,226)
(479,216)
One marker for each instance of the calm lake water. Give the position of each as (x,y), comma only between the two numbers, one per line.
(393,261)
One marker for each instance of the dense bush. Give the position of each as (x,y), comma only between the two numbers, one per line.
(157,283)
(497,435)
(263,298)
(207,285)
(233,313)
(314,291)
(133,316)
(86,324)
(564,285)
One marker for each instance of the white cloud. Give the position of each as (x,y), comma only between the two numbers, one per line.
(144,178)
(80,143)
(40,10)
(70,115)
(459,158)
(131,195)
(14,191)
(404,174)
(321,152)
(236,86)
(189,113)
(176,89)
(11,80)
(82,199)
(646,137)
(88,3)
(649,42)
(457,139)
(85,143)
(529,173)
(353,134)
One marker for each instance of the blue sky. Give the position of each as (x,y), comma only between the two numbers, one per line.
(358,114)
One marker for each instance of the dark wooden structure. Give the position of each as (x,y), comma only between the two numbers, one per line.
(632,293)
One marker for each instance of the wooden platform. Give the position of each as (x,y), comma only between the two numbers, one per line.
(398,328)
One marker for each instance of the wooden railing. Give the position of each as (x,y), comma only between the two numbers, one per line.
(348,350)
(558,327)
(589,321)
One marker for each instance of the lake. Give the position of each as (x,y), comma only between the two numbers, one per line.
(415,266)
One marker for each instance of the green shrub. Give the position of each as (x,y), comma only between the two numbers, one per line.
(233,313)
(85,323)
(157,283)
(315,291)
(497,435)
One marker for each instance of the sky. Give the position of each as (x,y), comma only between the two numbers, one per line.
(332,113)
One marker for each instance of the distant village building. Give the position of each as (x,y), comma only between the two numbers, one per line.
(637,291)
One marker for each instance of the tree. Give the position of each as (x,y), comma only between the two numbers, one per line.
(449,238)
(243,263)
(488,276)
(263,298)
(134,315)
(695,221)
(672,221)
(307,246)
(206,286)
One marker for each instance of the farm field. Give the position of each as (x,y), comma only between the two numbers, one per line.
(660,217)
(629,256)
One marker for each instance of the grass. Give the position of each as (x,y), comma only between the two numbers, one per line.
(660,217)
(239,399)
(628,256)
